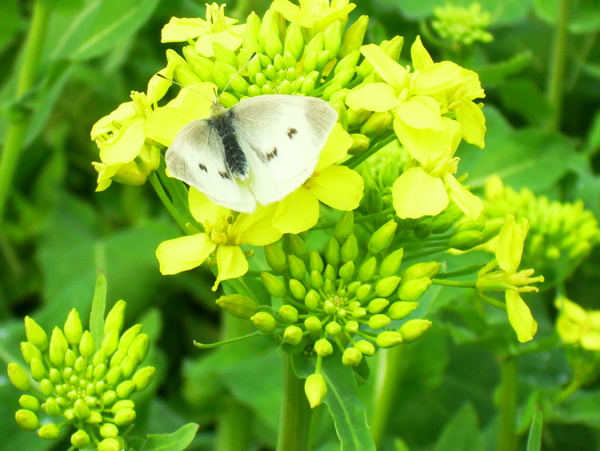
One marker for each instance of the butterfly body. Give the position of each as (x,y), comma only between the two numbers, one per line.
(258,151)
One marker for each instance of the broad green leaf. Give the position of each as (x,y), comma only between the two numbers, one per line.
(462,432)
(534,441)
(580,408)
(176,441)
(584,15)
(524,98)
(495,73)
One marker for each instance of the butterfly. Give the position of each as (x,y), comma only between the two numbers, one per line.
(256,152)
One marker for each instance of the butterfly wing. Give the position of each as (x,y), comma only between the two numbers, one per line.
(282,137)
(197,157)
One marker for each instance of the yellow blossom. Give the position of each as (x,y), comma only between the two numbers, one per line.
(578,326)
(224,233)
(314,13)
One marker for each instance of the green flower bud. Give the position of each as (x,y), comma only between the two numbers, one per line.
(329,307)
(388,339)
(393,47)
(419,270)
(316,262)
(82,411)
(379,321)
(330,273)
(377,123)
(292,335)
(372,199)
(29,402)
(52,407)
(411,290)
(470,225)
(288,313)
(341,79)
(18,377)
(323,347)
(99,371)
(400,310)
(391,264)
(222,74)
(349,250)
(353,37)
(139,348)
(143,378)
(224,55)
(109,444)
(363,291)
(351,327)
(377,305)
(315,388)
(333,328)
(49,431)
(382,237)
(109,397)
(316,280)
(81,365)
(80,439)
(492,228)
(347,271)
(125,389)
(184,74)
(332,252)
(276,258)
(129,337)
(332,88)
(124,417)
(352,287)
(344,229)
(58,339)
(352,357)
(27,420)
(118,357)
(35,334)
(114,375)
(413,329)
(332,37)
(367,269)
(328,286)
(110,343)
(360,143)
(70,358)
(313,324)
(204,67)
(297,267)
(86,345)
(250,34)
(442,223)
(297,289)
(274,285)
(46,387)
(365,347)
(264,322)
(466,240)
(38,371)
(238,305)
(385,287)
(312,300)
(109,430)
(299,248)
(123,404)
(128,366)
(308,87)
(115,318)
(30,351)
(73,327)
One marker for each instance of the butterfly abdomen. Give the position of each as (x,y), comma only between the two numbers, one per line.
(235,158)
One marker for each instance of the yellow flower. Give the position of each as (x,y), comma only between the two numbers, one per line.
(337,186)
(314,13)
(216,28)
(578,326)
(223,235)
(509,249)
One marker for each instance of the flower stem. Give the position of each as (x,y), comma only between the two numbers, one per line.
(557,67)
(17,131)
(507,439)
(153,179)
(294,430)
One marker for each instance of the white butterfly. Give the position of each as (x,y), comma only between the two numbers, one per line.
(258,151)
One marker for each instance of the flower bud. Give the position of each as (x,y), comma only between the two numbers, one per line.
(294,41)
(52,407)
(349,250)
(139,348)
(312,300)
(129,336)
(46,387)
(352,357)
(114,375)
(292,335)
(316,262)
(27,420)
(82,411)
(347,271)
(313,324)
(323,347)
(360,143)
(288,313)
(492,228)
(365,347)
(35,334)
(124,417)
(80,439)
(125,389)
(30,351)
(388,339)
(363,291)
(29,402)
(372,199)
(128,366)
(354,35)
(73,327)
(344,228)
(109,430)
(333,328)
(109,444)
(315,388)
(143,378)
(316,280)
(385,287)
(224,55)
(59,341)
(419,270)
(18,377)
(115,318)
(38,371)
(299,248)
(238,305)
(264,322)
(466,240)
(86,345)
(367,269)
(274,285)
(297,289)
(382,237)
(332,37)
(377,123)
(377,305)
(351,326)
(379,321)
(400,310)
(49,431)
(413,329)
(413,289)
(332,252)
(391,263)
(330,273)
(297,267)
(329,307)
(276,258)
(94,418)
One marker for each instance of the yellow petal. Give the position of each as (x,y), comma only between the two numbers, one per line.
(231,262)
(336,147)
(437,78)
(417,194)
(204,45)
(164,123)
(257,228)
(298,212)
(388,69)
(339,187)
(509,246)
(374,97)
(472,122)
(184,253)
(123,113)
(421,112)
(520,316)
(205,211)
(420,57)
(178,30)
(469,203)
(125,146)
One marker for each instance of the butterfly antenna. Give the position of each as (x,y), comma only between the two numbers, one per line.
(183,86)
(239,71)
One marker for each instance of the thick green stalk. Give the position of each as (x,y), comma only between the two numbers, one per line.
(294,430)
(557,67)
(17,130)
(507,438)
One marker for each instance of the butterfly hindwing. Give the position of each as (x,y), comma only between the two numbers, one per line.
(197,157)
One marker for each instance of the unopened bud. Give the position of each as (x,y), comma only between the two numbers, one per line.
(391,263)
(323,347)
(400,310)
(238,305)
(18,377)
(365,347)
(49,431)
(315,388)
(264,322)
(115,318)
(466,240)
(73,327)
(379,321)
(292,335)
(413,289)
(413,329)
(386,286)
(274,285)
(27,420)
(35,334)
(382,237)
(352,357)
(288,313)
(419,270)
(388,339)
(276,258)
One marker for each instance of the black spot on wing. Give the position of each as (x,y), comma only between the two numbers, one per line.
(272,154)
(202,167)
(225,175)
(291,132)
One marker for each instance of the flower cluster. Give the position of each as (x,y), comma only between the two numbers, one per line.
(577,326)
(85,383)
(561,234)
(462,26)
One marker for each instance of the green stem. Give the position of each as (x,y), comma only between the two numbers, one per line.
(162,195)
(294,430)
(557,68)
(17,131)
(455,283)
(386,383)
(507,439)
(359,158)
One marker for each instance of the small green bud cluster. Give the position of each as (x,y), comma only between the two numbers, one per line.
(461,25)
(86,383)
(560,234)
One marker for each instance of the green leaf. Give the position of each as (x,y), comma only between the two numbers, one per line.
(524,98)
(98,309)
(461,433)
(584,15)
(493,74)
(12,22)
(176,441)
(534,442)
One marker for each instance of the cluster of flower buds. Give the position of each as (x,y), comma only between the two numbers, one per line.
(462,26)
(86,384)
